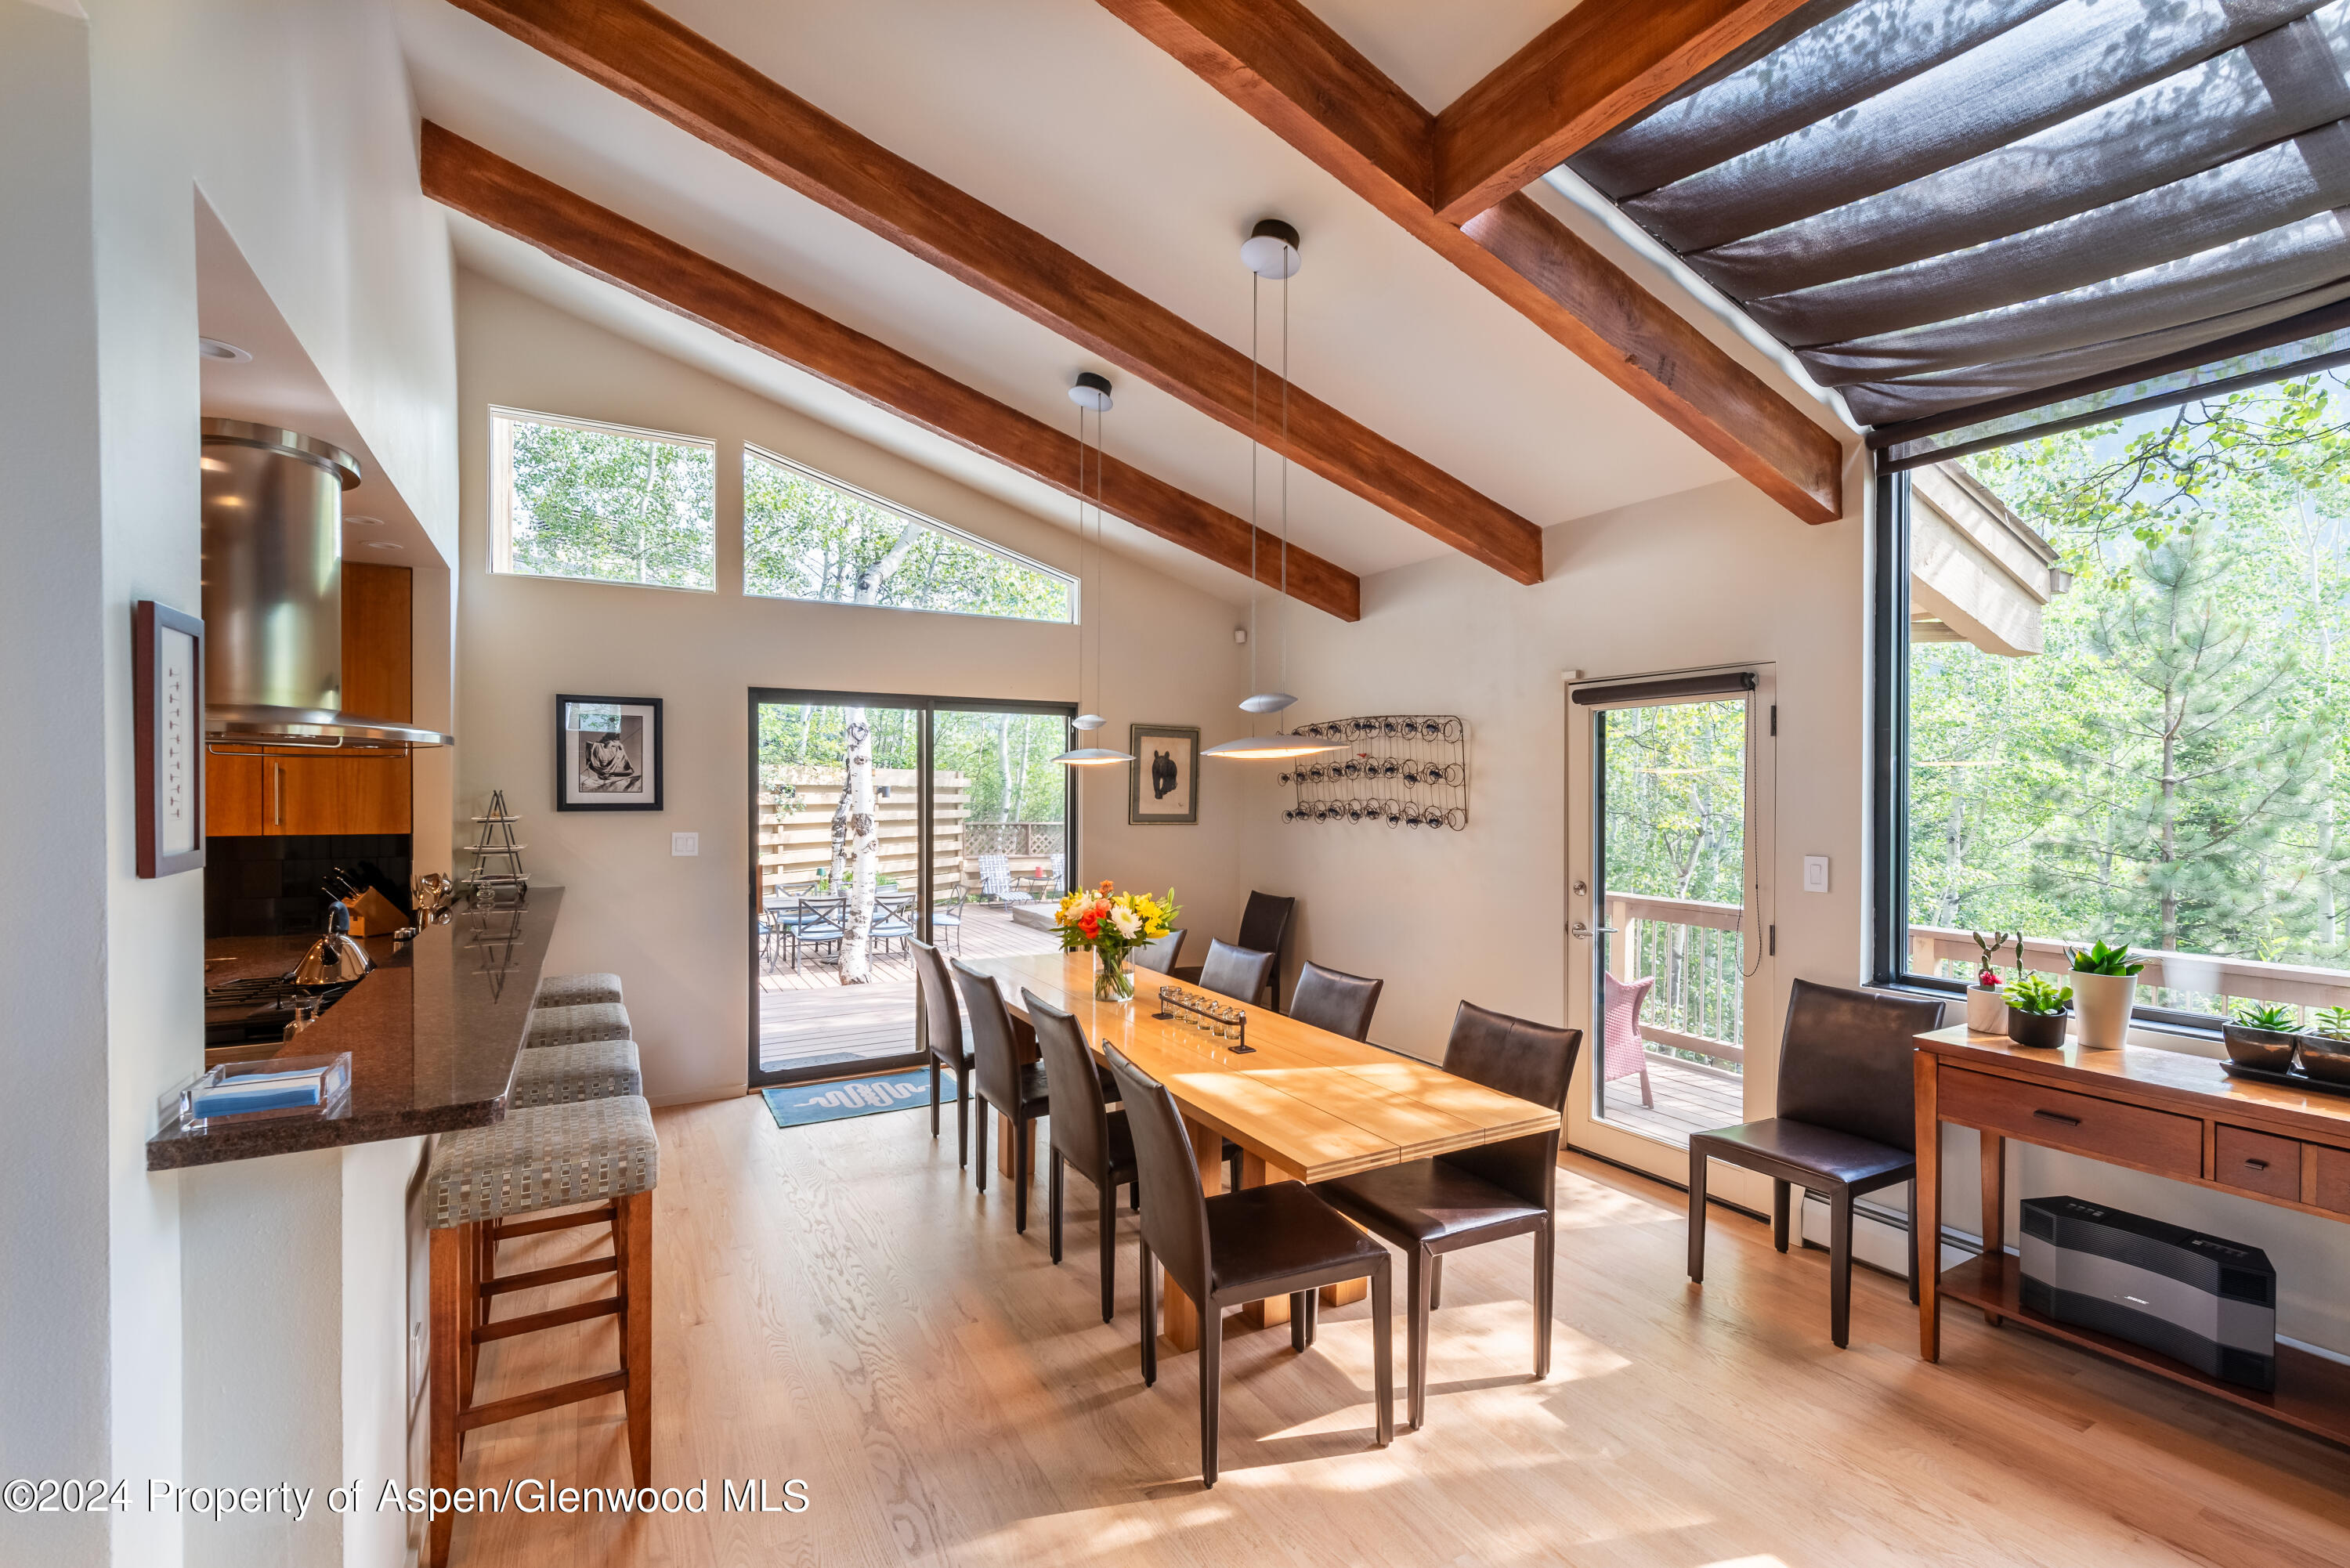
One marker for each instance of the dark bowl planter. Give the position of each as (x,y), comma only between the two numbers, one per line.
(2323,1056)
(2271,1049)
(2044,1030)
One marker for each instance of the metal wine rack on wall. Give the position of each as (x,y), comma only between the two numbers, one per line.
(1400,770)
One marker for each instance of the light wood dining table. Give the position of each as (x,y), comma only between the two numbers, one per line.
(1303,1104)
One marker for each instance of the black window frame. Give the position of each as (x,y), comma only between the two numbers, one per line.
(1888,915)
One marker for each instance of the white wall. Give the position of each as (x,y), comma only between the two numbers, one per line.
(677,929)
(293,121)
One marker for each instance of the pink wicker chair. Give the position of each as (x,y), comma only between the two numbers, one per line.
(1621,1054)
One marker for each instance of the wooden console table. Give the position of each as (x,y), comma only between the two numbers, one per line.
(2157,1111)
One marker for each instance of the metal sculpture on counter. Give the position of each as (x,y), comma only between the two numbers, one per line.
(1404,769)
(497,859)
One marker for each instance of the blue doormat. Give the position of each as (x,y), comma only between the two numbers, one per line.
(800,1104)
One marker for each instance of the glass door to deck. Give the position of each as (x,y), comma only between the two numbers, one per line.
(877,820)
(1667,938)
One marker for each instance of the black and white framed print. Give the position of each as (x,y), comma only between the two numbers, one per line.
(607,754)
(167,705)
(1164,782)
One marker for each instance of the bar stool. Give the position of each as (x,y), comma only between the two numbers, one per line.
(576,990)
(578,1023)
(481,1183)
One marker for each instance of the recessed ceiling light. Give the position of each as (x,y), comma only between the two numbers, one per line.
(362,521)
(384,544)
(213,348)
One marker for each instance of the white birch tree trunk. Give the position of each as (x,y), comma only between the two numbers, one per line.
(857,831)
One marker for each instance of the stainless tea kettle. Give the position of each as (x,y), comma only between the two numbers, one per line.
(335,958)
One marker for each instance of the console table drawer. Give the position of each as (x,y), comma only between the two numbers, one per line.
(2258,1162)
(2332,1176)
(2155,1140)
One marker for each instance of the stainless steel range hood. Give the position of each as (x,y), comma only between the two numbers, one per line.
(273,571)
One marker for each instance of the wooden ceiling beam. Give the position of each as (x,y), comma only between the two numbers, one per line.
(1585,74)
(470,180)
(639,52)
(1299,79)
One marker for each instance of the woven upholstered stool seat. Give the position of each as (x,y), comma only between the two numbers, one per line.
(547,1157)
(572,1025)
(576,990)
(560,1075)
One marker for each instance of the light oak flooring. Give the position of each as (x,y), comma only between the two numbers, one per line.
(836,1304)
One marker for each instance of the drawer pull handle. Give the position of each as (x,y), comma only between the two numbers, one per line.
(2257,1163)
(2059,1116)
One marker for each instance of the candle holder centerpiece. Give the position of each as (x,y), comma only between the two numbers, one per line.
(1111,926)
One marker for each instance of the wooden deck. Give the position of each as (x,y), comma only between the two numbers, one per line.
(1690,1099)
(808,1019)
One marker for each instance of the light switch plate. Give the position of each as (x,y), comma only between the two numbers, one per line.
(685,844)
(1815,873)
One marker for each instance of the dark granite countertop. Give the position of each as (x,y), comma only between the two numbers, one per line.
(434,1032)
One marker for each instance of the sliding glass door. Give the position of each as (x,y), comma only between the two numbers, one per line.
(876,821)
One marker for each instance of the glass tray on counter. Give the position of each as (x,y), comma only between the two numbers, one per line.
(234,1094)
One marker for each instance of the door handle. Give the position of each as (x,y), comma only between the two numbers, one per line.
(2059,1116)
(277,793)
(1580,930)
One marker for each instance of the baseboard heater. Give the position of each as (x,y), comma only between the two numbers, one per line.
(2203,1300)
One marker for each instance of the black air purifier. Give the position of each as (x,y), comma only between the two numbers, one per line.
(2199,1299)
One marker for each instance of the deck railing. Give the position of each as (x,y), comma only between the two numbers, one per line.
(2184,983)
(1695,951)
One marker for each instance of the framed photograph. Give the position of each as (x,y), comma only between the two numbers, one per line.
(1163,785)
(607,754)
(167,706)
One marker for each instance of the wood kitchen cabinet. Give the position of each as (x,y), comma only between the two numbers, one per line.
(290,790)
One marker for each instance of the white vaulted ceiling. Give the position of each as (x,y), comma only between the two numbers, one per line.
(1060,115)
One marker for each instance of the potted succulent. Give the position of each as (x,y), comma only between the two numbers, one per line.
(2325,1050)
(2104,987)
(2261,1036)
(2036,1009)
(1986,1005)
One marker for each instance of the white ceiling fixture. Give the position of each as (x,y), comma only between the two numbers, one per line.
(229,353)
(1271,253)
(1091,394)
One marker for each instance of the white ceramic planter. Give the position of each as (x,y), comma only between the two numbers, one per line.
(2102,1003)
(1986,1011)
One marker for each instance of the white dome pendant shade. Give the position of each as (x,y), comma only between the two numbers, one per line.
(1091,394)
(1271,252)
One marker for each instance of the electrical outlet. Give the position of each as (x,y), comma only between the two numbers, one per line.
(1815,873)
(685,844)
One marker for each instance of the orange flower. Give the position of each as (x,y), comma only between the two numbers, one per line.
(1105,889)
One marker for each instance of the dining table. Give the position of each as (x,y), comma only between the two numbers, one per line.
(1303,1104)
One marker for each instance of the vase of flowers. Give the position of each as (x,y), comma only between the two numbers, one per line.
(1111,926)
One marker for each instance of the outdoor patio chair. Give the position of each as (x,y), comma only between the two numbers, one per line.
(995,877)
(1621,1054)
(946,919)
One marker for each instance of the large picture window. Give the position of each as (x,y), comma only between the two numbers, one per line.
(2123,697)
(806,536)
(601,503)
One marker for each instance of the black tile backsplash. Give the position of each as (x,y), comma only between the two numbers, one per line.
(271,886)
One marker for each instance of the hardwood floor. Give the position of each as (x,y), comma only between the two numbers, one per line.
(836,1304)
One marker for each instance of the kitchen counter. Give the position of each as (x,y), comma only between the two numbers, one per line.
(433,1031)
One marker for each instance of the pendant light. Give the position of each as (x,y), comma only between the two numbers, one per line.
(1091,394)
(1271,252)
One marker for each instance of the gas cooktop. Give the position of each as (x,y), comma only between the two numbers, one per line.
(260,1008)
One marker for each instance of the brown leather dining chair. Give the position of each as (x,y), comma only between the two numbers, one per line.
(1265,926)
(1432,1207)
(1086,1133)
(1002,1080)
(1846,1124)
(943,1038)
(1239,1247)
(1332,1000)
(1237,972)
